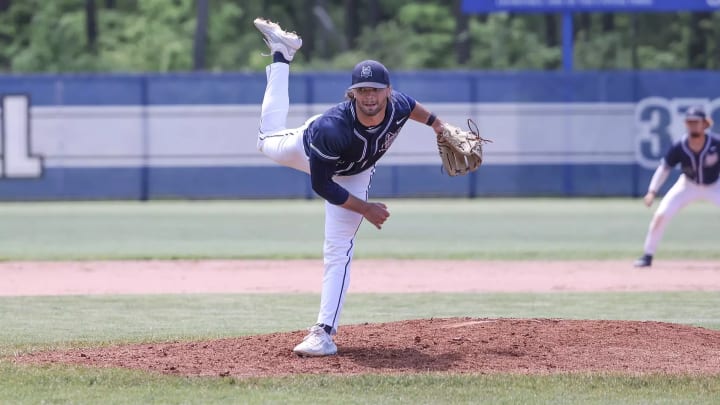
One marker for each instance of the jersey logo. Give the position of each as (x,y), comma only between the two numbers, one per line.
(711,159)
(400,121)
(366,72)
(388,141)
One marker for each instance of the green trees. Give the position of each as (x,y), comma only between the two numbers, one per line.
(164,35)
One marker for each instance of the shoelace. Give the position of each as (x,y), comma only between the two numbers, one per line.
(315,336)
(268,45)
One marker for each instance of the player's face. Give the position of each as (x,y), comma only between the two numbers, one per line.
(371,101)
(695,127)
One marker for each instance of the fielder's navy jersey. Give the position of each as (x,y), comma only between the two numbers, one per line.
(337,136)
(702,167)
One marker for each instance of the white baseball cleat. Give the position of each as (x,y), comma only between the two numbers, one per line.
(277,39)
(316,344)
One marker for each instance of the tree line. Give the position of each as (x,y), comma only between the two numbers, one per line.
(218,35)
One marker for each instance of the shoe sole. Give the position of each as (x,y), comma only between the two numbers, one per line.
(307,354)
(266,27)
(269,28)
(300,354)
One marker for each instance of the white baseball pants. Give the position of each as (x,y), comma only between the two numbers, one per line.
(285,146)
(682,193)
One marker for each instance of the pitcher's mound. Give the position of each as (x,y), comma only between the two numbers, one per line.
(456,345)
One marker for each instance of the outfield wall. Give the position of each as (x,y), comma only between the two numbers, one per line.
(193,135)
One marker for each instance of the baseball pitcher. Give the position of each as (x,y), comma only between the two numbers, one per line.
(339,149)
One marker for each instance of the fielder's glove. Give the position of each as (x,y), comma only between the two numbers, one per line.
(460,151)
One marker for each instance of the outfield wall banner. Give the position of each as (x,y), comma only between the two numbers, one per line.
(70,137)
(616,6)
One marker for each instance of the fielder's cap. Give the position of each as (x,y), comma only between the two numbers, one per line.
(370,73)
(697,114)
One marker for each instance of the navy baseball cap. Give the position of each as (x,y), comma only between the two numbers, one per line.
(695,114)
(370,73)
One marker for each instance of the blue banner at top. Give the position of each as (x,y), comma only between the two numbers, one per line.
(551,6)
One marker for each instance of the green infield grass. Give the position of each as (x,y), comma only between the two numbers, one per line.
(488,228)
(59,385)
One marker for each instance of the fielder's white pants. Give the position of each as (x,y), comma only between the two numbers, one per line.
(285,146)
(682,193)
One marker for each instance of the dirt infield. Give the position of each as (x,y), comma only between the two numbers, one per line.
(436,345)
(430,345)
(382,276)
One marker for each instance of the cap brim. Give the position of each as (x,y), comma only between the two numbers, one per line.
(709,122)
(374,85)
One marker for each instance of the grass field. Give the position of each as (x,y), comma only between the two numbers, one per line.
(73,385)
(498,229)
(507,229)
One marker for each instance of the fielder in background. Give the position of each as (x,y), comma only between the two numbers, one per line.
(339,150)
(698,154)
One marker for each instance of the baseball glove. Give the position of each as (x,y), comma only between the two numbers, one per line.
(461,151)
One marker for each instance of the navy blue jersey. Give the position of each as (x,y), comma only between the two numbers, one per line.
(338,137)
(702,167)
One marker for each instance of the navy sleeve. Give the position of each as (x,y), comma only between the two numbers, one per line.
(672,157)
(404,101)
(330,139)
(321,173)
